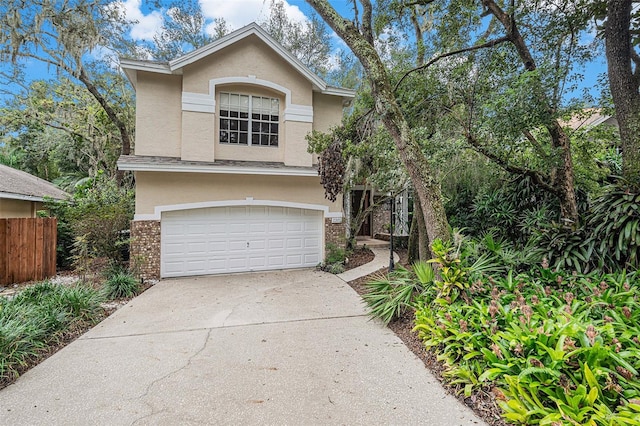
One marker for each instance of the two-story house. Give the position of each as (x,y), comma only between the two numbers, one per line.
(224,182)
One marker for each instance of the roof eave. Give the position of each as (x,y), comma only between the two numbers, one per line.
(132,66)
(223,169)
(25,197)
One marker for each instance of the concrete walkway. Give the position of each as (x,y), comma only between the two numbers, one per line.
(285,347)
(381,260)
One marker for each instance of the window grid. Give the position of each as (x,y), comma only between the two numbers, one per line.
(249,120)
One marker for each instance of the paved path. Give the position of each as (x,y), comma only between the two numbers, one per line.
(292,347)
(381,260)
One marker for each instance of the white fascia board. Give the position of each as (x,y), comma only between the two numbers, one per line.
(21,197)
(339,91)
(236,170)
(132,64)
(599,120)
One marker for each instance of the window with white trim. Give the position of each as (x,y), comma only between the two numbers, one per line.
(249,120)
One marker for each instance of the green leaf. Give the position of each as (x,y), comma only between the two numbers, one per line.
(588,375)
(592,396)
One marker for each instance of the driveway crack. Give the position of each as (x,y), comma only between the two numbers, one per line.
(165,377)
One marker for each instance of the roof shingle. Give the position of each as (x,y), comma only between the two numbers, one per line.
(18,184)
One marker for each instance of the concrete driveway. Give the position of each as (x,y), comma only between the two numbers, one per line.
(285,347)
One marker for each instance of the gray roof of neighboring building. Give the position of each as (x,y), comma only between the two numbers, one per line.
(20,185)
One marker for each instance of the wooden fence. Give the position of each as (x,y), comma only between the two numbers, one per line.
(27,249)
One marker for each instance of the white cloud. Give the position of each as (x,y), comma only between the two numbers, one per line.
(145,26)
(238,13)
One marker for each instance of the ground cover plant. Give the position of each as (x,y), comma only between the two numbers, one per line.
(120,282)
(40,317)
(553,347)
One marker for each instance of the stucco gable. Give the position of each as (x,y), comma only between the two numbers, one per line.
(177,65)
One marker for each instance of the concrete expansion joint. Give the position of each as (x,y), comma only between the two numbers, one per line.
(165,377)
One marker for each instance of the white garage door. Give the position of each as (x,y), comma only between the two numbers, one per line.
(236,239)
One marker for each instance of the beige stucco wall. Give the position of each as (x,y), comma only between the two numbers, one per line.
(295,153)
(10,208)
(250,56)
(327,111)
(197,136)
(163,129)
(161,189)
(158,114)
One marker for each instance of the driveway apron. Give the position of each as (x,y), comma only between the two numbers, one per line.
(286,347)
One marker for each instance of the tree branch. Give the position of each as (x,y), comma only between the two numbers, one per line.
(432,61)
(367,23)
(534,142)
(419,40)
(538,178)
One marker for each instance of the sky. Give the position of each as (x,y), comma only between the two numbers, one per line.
(238,13)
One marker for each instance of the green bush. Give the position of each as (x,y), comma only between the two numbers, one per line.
(335,254)
(615,221)
(335,258)
(99,214)
(121,285)
(609,239)
(38,317)
(554,348)
(389,296)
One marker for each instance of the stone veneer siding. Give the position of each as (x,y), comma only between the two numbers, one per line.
(334,233)
(145,248)
(380,218)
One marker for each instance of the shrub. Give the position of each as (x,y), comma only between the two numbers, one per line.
(389,296)
(99,213)
(335,254)
(615,220)
(335,259)
(38,317)
(121,285)
(554,348)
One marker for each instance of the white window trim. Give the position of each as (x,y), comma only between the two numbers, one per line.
(250,120)
(206,103)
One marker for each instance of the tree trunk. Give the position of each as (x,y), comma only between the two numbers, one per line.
(427,189)
(412,246)
(424,248)
(624,85)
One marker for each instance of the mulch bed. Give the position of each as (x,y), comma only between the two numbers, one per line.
(360,256)
(482,402)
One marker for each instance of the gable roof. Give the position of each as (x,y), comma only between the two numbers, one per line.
(130,66)
(19,185)
(588,118)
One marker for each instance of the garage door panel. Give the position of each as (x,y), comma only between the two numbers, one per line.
(237,245)
(294,227)
(257,228)
(239,238)
(294,243)
(294,259)
(311,258)
(217,246)
(311,243)
(197,248)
